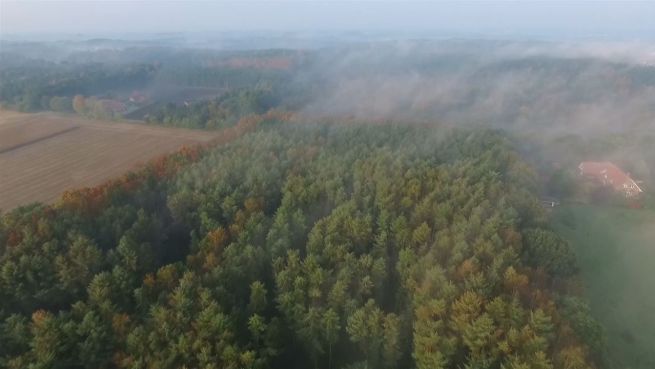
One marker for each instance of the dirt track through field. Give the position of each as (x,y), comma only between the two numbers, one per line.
(43,155)
(36,140)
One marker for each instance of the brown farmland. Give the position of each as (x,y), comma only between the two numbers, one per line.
(42,155)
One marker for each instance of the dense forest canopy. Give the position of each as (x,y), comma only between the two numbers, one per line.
(325,246)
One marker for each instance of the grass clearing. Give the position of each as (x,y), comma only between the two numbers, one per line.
(615,248)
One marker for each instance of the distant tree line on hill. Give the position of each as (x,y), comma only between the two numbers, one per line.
(251,83)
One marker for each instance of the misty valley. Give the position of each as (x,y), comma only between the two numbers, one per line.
(453,203)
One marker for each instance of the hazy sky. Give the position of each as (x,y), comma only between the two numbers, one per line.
(633,20)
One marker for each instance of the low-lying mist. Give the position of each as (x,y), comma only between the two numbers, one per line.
(565,102)
(579,101)
(504,84)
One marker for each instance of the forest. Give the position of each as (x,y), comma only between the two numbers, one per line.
(368,205)
(52,87)
(534,88)
(298,244)
(103,85)
(222,112)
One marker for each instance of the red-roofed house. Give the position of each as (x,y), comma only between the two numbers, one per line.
(610,175)
(137,98)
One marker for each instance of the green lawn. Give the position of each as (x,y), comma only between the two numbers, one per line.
(616,253)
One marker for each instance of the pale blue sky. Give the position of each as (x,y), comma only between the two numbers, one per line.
(582,19)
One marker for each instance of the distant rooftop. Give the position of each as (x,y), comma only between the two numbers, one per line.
(610,175)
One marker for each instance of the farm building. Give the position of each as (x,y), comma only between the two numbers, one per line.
(608,174)
(138,98)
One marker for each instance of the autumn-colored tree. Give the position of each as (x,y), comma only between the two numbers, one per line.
(79,104)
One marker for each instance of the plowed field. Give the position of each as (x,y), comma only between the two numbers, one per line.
(42,155)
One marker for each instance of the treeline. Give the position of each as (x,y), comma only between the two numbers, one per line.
(224,111)
(169,83)
(52,86)
(230,69)
(299,246)
(219,75)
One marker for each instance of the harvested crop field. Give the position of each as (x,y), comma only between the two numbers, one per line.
(42,155)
